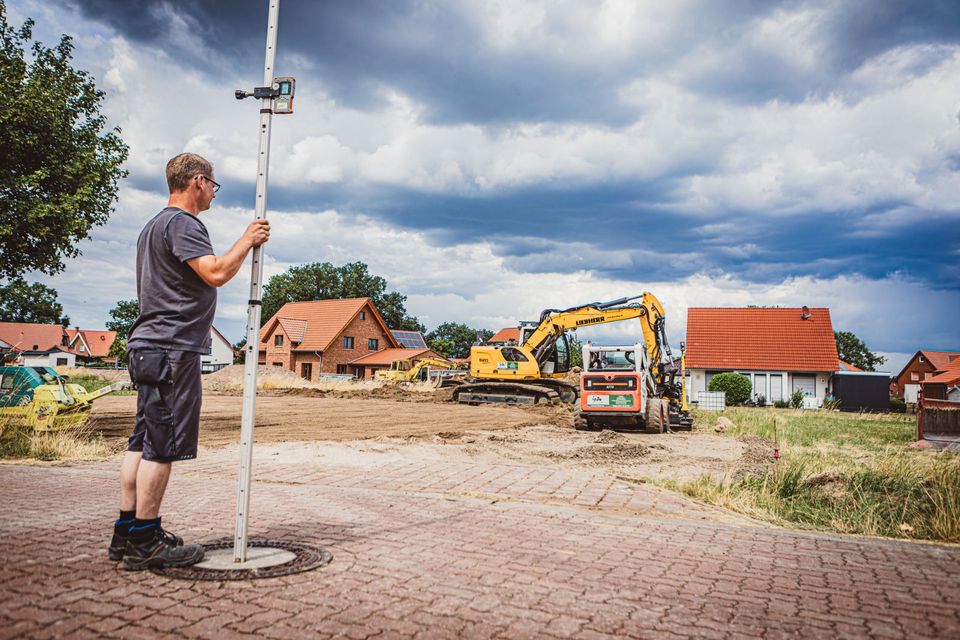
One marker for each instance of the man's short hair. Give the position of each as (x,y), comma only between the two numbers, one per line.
(182,168)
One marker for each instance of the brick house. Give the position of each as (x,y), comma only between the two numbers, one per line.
(324,337)
(924,364)
(92,345)
(780,350)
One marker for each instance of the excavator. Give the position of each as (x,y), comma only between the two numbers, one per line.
(534,370)
(407,371)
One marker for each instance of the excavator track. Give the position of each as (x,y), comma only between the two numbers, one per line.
(504,393)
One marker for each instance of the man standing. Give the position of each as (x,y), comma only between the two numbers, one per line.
(177,279)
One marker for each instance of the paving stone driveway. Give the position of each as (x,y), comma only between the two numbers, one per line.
(436,550)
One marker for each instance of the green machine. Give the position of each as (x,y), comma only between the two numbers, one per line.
(40,398)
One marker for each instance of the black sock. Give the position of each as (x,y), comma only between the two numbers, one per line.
(143,530)
(126,519)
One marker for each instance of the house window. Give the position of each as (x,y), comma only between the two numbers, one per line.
(372,344)
(342,369)
(306,371)
(278,340)
(61,362)
(347,342)
(278,364)
(363,315)
(80,348)
(914,376)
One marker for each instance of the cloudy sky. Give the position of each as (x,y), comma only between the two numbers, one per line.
(491,159)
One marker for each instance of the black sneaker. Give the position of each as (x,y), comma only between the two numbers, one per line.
(156,553)
(118,544)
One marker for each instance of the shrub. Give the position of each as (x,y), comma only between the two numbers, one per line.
(897,405)
(736,386)
(796,399)
(781,404)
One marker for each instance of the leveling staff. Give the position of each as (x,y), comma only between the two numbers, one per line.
(177,279)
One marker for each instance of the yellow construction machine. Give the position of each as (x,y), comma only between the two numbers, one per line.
(42,399)
(408,371)
(534,370)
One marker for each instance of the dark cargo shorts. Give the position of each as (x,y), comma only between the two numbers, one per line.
(169,392)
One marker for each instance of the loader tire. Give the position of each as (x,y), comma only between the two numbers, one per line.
(658,420)
(580,422)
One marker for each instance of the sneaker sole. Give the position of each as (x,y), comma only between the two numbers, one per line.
(131,563)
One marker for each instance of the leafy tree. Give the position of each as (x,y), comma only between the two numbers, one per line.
(576,350)
(58,170)
(118,350)
(736,386)
(852,350)
(454,339)
(122,318)
(238,355)
(22,302)
(324,281)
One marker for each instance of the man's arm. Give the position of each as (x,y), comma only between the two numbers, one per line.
(218,270)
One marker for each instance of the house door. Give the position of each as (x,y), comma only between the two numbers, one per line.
(808,384)
(306,371)
(776,387)
(760,386)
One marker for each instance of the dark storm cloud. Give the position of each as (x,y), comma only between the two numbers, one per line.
(435,54)
(543,230)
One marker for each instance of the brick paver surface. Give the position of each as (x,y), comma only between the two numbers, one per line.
(436,550)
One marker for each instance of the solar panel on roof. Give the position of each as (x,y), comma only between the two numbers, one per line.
(410,339)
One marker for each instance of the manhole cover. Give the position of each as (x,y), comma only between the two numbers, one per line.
(265,559)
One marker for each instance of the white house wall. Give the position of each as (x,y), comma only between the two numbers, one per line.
(220,353)
(50,360)
(760,381)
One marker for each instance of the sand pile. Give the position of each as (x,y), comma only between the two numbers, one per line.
(231,379)
(278,381)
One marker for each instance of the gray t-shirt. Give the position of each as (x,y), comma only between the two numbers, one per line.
(176,305)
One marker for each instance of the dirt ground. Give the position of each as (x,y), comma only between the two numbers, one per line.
(397,422)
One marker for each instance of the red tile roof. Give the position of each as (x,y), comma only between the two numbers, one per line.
(949,375)
(97,343)
(846,366)
(387,356)
(295,329)
(325,320)
(22,336)
(506,334)
(941,359)
(772,339)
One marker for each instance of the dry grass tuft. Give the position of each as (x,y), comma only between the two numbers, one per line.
(849,473)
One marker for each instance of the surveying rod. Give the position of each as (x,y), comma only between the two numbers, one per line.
(276,96)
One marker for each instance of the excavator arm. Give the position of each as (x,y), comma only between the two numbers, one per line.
(646,307)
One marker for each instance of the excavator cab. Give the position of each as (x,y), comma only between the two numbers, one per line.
(559,361)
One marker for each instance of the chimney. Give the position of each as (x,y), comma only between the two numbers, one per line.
(804,313)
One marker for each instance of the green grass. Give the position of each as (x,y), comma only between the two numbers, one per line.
(841,472)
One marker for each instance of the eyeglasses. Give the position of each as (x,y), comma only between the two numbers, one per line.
(216,185)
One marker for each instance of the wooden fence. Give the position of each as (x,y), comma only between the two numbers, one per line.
(938,418)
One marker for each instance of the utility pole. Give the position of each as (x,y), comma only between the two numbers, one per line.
(276,96)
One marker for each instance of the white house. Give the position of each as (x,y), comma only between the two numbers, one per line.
(56,356)
(221,353)
(780,350)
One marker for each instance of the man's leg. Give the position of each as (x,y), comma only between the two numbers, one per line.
(128,480)
(151,484)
